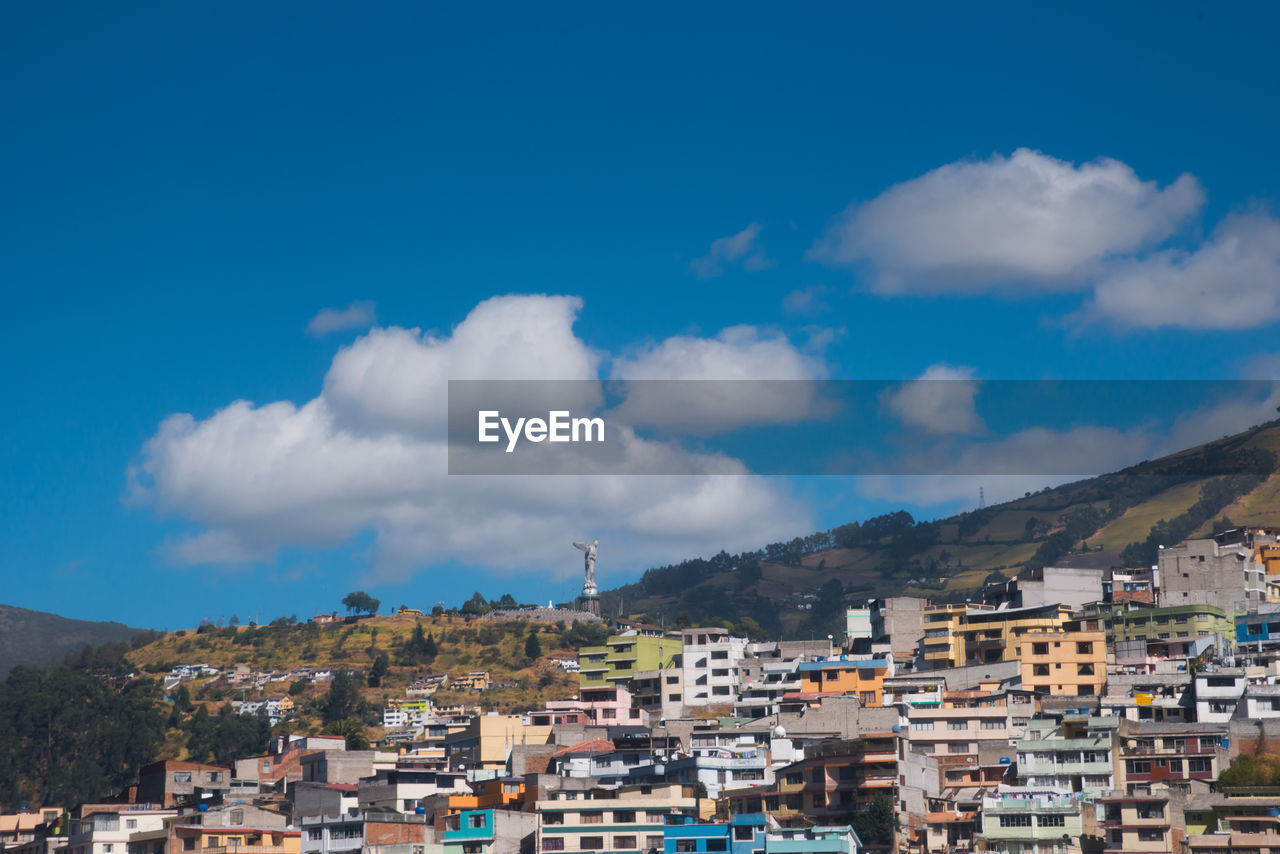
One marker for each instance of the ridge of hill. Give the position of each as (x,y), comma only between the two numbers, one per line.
(800,588)
(35,638)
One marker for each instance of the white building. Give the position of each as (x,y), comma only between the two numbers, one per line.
(711,658)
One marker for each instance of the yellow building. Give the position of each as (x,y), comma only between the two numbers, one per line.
(1066,662)
(961,635)
(486,742)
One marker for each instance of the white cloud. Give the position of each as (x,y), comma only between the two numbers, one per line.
(1232,281)
(369,454)
(940,401)
(745,377)
(358,315)
(1029,222)
(741,247)
(806,301)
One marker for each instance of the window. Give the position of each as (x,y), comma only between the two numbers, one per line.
(957,724)
(477,820)
(993,724)
(553,843)
(106,847)
(182,776)
(1198,765)
(717,845)
(817,775)
(189,842)
(553,818)
(922,725)
(686,845)
(1039,649)
(655,817)
(1084,669)
(959,747)
(624,843)
(743,833)
(595,817)
(131,823)
(624,817)
(1051,821)
(591,843)
(1150,834)
(1138,766)
(795,778)
(1015,821)
(215,776)
(1040,670)
(653,842)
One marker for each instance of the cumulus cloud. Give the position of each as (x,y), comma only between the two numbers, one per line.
(1232,281)
(369,454)
(358,315)
(746,376)
(940,401)
(1028,221)
(742,247)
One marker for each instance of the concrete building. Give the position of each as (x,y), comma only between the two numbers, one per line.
(490,831)
(370,832)
(831,839)
(1217,572)
(899,622)
(1022,820)
(956,636)
(1170,757)
(1073,756)
(106,829)
(1142,824)
(627,820)
(486,742)
(710,658)
(172,782)
(857,628)
(659,693)
(1218,692)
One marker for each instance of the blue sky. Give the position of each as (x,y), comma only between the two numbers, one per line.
(185,188)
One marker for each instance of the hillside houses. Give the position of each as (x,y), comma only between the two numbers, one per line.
(1103,722)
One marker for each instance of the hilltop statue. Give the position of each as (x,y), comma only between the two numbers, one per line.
(589,565)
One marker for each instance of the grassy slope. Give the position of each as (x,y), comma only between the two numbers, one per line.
(355,646)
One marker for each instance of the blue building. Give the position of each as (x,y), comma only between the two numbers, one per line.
(489,831)
(1260,630)
(741,834)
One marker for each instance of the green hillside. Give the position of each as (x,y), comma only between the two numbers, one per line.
(35,638)
(799,588)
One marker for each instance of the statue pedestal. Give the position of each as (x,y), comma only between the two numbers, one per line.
(588,602)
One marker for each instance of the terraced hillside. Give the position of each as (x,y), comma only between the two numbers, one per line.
(799,588)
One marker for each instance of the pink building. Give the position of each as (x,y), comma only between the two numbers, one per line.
(607,706)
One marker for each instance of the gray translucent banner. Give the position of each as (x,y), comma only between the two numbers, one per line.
(856,427)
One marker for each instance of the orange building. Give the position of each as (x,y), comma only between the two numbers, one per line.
(863,678)
(1066,663)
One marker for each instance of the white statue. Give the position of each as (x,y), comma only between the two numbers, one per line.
(589,561)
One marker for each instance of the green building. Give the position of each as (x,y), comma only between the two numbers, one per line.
(613,664)
(1179,622)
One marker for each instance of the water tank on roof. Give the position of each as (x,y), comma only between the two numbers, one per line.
(1004,760)
(419,810)
(202,808)
(897,728)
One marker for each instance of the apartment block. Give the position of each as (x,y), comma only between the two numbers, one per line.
(1220,572)
(710,658)
(627,819)
(1064,662)
(624,655)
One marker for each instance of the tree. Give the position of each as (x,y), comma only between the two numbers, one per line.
(532,647)
(419,649)
(351,731)
(381,665)
(359,602)
(343,697)
(874,823)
